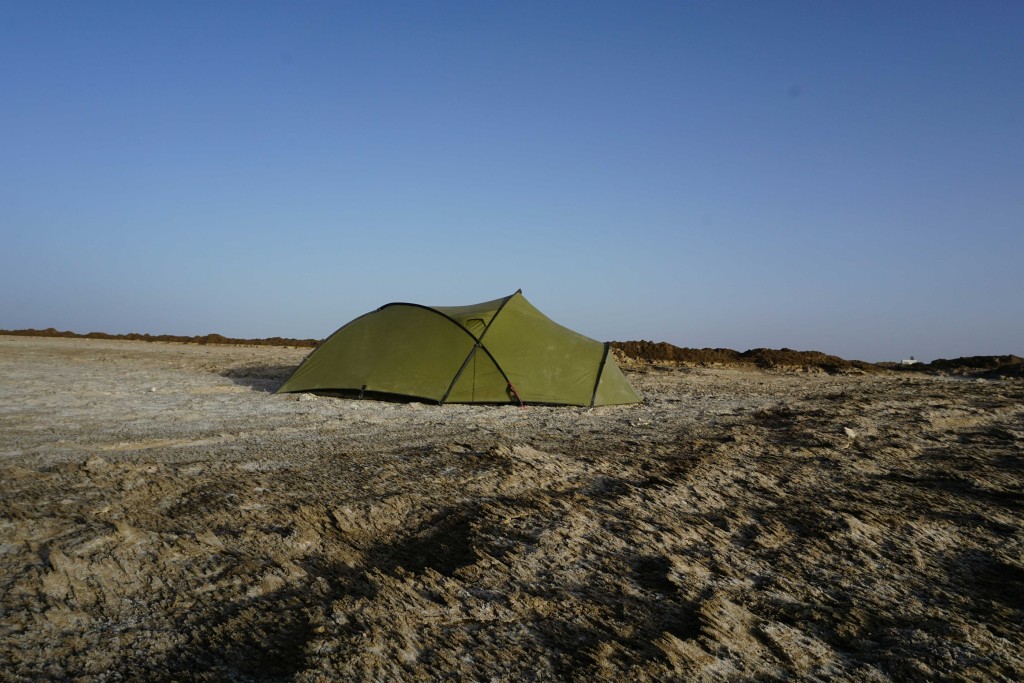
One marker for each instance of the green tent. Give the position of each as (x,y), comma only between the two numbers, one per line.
(501,351)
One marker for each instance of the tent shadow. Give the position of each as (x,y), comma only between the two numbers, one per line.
(260,377)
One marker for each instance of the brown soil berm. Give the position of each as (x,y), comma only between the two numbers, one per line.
(135,336)
(652,352)
(971,366)
(646,352)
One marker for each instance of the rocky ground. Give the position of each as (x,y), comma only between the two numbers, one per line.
(165,516)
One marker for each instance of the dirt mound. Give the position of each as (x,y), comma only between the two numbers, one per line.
(783,359)
(967,366)
(788,358)
(652,352)
(972,365)
(1012,370)
(135,336)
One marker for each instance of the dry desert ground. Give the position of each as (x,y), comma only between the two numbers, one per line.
(165,516)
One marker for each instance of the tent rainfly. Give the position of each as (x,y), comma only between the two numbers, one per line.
(501,351)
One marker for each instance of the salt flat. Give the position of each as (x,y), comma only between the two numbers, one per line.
(165,516)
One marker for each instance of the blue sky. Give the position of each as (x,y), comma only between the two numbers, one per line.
(846,177)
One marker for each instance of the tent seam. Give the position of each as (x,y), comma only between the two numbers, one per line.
(600,373)
(479,345)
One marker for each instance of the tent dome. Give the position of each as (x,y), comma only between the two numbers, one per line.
(500,351)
